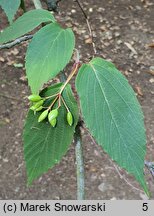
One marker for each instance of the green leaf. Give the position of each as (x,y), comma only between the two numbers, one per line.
(113,115)
(25,24)
(48,53)
(10,7)
(44,146)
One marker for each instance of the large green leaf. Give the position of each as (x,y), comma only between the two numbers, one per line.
(48,53)
(25,24)
(44,146)
(113,115)
(10,7)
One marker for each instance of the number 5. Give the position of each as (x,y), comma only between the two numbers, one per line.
(145,207)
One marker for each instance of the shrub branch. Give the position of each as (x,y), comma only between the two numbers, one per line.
(15,42)
(78,145)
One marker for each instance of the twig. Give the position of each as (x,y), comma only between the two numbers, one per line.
(74,70)
(88,24)
(80,6)
(78,155)
(79,163)
(15,42)
(37,4)
(78,151)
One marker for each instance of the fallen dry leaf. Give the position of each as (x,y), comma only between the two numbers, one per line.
(151,80)
(7,120)
(151,71)
(139,90)
(9,61)
(2,59)
(88,41)
(130,47)
(151,45)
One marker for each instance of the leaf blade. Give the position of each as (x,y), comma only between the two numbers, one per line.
(10,8)
(113,115)
(26,23)
(44,146)
(48,53)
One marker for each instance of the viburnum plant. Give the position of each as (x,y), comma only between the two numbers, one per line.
(108,103)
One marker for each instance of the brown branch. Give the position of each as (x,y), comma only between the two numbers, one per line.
(15,42)
(88,24)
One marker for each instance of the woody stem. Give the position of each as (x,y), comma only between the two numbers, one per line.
(75,68)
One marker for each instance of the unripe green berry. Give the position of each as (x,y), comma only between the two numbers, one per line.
(69,118)
(32,108)
(39,109)
(34,98)
(37,105)
(53,114)
(53,122)
(43,116)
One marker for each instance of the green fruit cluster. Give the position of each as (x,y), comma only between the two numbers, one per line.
(52,115)
(37,102)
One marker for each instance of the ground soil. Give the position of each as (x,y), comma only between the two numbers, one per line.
(123,33)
